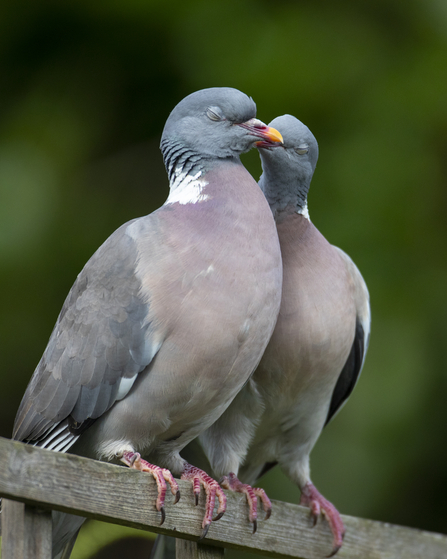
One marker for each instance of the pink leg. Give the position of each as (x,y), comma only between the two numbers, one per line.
(233,483)
(212,490)
(161,475)
(312,498)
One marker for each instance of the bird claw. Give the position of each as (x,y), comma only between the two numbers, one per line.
(312,498)
(234,484)
(204,532)
(161,476)
(334,550)
(177,497)
(212,490)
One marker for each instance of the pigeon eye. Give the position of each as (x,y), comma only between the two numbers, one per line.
(302,149)
(213,114)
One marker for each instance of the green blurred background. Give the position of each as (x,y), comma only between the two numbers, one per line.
(85,90)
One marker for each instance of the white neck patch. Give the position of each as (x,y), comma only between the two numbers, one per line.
(187,189)
(304,212)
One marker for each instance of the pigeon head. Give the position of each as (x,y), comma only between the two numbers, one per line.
(212,124)
(288,170)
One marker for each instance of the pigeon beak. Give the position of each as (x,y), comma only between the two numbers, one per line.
(270,136)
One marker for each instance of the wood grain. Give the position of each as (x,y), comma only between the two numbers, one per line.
(186,549)
(27,531)
(38,527)
(13,529)
(115,494)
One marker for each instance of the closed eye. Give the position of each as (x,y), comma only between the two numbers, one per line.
(302,149)
(213,114)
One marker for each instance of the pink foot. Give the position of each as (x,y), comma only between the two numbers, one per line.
(233,483)
(161,475)
(312,498)
(212,489)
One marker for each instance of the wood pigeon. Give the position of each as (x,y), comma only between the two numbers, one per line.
(170,316)
(316,352)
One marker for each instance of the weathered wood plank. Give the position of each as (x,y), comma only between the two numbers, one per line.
(38,528)
(115,494)
(13,529)
(27,531)
(185,549)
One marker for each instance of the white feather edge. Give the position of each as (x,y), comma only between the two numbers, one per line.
(304,212)
(187,189)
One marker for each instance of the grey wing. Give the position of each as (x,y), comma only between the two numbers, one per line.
(101,341)
(354,364)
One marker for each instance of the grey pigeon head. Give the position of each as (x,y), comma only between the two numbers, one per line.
(288,170)
(212,124)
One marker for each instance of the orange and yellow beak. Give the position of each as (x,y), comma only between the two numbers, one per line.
(269,136)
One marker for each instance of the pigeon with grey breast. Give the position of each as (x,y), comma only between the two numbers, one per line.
(171,315)
(316,352)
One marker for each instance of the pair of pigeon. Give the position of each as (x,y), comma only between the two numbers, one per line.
(223,315)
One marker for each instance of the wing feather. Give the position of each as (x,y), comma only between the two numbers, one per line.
(101,341)
(354,364)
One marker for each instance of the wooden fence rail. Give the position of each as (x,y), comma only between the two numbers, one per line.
(41,480)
